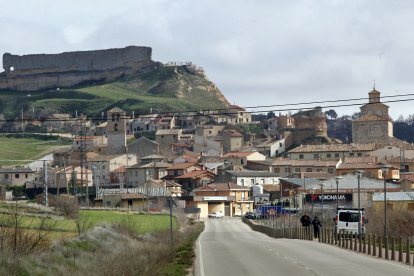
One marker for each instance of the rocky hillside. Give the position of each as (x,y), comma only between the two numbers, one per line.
(166,88)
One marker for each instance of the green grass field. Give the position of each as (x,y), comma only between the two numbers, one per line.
(26,148)
(140,223)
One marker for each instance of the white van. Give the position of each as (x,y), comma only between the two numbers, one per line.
(346,219)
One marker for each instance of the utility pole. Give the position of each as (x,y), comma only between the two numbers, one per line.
(82,161)
(45,188)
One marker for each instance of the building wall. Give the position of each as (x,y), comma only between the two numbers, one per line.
(231,143)
(143,147)
(204,144)
(370,131)
(166,140)
(16,178)
(251,181)
(327,156)
(116,133)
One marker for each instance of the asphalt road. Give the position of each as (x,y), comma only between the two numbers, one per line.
(229,247)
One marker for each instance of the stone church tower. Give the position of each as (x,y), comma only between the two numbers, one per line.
(116,131)
(374,124)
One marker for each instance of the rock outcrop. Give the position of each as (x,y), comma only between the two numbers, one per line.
(51,71)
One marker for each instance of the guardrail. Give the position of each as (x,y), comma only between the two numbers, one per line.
(395,249)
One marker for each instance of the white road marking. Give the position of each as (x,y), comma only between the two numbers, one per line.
(200,252)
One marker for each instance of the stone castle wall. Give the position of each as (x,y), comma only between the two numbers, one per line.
(41,71)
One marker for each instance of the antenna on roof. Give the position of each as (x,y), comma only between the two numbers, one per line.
(374,85)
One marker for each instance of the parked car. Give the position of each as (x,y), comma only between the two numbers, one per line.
(248,215)
(216,215)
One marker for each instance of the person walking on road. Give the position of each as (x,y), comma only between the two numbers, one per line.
(305,220)
(316,227)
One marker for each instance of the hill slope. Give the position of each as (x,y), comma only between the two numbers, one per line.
(172,88)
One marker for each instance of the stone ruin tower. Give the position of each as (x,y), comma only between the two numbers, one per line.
(116,131)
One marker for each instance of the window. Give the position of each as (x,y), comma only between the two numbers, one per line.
(336,154)
(316,156)
(16,175)
(328,155)
(242,182)
(300,156)
(252,181)
(6,176)
(116,127)
(276,170)
(287,170)
(26,175)
(242,161)
(297,169)
(280,144)
(330,170)
(319,170)
(308,169)
(348,217)
(351,154)
(359,154)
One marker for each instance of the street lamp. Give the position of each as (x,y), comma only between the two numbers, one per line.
(359,174)
(322,184)
(385,169)
(313,192)
(337,191)
(304,195)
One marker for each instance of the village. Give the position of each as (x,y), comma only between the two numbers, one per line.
(207,163)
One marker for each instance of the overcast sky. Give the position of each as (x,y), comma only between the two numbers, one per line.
(257,52)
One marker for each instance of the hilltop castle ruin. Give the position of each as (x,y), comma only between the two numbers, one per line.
(51,71)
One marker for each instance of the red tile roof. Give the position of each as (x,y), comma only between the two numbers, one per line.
(196,174)
(357,166)
(181,166)
(363,159)
(222,187)
(336,148)
(398,160)
(304,163)
(237,154)
(233,133)
(407,176)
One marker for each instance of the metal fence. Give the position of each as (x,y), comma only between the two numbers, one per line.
(396,249)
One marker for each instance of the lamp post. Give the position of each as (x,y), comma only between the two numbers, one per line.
(313,191)
(359,174)
(322,184)
(385,169)
(337,191)
(304,195)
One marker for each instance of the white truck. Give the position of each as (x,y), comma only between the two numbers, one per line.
(347,219)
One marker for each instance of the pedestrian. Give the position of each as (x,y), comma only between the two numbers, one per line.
(316,227)
(305,220)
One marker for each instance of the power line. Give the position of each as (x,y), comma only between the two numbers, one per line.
(230,110)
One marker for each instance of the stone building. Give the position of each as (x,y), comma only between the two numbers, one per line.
(116,131)
(232,140)
(374,123)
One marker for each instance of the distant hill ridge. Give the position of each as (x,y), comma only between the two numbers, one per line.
(91,81)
